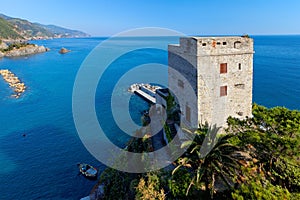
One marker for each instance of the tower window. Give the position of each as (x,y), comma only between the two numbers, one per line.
(180,83)
(188,113)
(204,44)
(223,91)
(237,45)
(240,66)
(224,43)
(223,68)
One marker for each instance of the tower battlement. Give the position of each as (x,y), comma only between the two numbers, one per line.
(207,46)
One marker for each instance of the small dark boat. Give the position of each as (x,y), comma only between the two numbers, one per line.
(87,170)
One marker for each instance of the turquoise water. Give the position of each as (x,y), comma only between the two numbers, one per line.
(42,165)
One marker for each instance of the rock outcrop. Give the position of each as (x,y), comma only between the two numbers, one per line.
(64,50)
(27,50)
(3,45)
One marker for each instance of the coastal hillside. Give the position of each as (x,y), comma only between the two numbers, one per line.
(63,32)
(15,28)
(8,31)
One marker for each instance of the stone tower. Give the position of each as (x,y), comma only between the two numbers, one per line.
(219,70)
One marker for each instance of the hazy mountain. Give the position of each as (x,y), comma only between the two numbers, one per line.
(15,28)
(64,32)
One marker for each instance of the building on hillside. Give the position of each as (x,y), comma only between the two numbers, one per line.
(218,72)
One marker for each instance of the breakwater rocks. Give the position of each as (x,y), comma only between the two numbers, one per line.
(26,50)
(14,82)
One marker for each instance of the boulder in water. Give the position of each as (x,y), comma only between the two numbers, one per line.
(64,50)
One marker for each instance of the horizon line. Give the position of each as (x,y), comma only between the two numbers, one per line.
(196,35)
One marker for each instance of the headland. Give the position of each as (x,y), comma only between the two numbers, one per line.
(20,49)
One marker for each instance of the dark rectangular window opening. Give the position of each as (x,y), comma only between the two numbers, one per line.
(240,66)
(223,68)
(224,43)
(223,91)
(240,86)
(180,83)
(218,43)
(188,113)
(204,44)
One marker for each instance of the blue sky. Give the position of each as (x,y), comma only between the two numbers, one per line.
(192,17)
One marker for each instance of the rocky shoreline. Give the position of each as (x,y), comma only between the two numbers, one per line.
(14,82)
(29,49)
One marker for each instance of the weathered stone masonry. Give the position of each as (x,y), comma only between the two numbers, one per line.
(220,71)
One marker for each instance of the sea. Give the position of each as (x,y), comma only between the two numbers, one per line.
(39,143)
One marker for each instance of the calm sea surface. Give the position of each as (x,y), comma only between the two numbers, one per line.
(42,165)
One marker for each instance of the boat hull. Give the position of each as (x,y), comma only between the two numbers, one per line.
(88,171)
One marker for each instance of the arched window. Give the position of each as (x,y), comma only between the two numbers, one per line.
(237,44)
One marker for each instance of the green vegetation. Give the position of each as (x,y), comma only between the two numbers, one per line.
(7,30)
(118,185)
(274,137)
(257,188)
(30,29)
(216,162)
(15,46)
(179,183)
(121,185)
(150,188)
(258,158)
(172,109)
(168,132)
(138,144)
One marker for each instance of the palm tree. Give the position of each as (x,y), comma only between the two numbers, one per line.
(210,158)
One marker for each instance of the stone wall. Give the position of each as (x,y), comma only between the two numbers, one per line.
(198,60)
(182,79)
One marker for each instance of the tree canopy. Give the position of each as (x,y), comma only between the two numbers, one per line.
(257,158)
